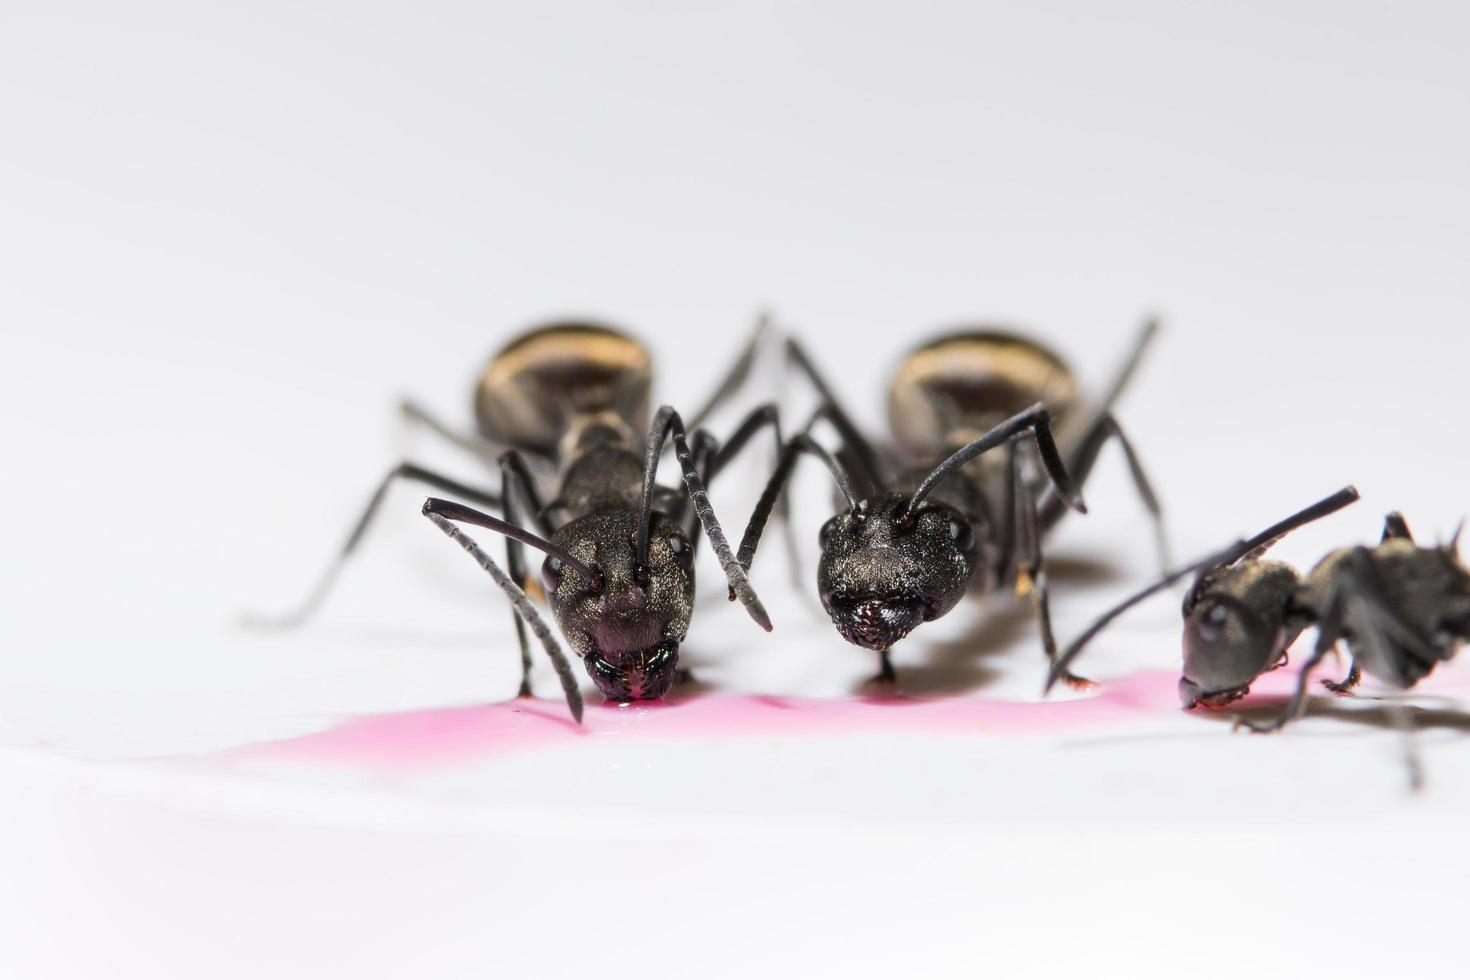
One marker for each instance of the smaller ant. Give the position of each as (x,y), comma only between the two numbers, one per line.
(1402,609)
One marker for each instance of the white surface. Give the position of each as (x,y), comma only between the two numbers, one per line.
(232,238)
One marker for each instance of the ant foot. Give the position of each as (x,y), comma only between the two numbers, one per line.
(883,685)
(1077,682)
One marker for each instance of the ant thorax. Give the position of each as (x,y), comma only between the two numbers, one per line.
(1420,617)
(600,478)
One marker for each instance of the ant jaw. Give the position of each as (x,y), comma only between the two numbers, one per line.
(1191,696)
(876,624)
(637,675)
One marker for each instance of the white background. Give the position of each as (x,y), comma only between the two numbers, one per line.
(230,237)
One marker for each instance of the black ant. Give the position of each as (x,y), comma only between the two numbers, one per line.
(924,525)
(1401,607)
(619,571)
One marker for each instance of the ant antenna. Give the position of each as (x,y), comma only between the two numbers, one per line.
(442,512)
(738,373)
(468,515)
(1038,420)
(1059,666)
(666,425)
(1130,364)
(1257,546)
(800,443)
(1252,547)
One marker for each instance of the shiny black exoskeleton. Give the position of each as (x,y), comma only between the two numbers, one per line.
(619,571)
(881,575)
(1401,608)
(937,518)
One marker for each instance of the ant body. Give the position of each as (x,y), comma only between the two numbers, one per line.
(619,571)
(933,520)
(1402,608)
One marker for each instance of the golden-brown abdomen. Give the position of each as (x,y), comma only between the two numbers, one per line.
(557,378)
(959,386)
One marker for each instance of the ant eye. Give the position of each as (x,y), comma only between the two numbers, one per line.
(962,535)
(825,534)
(551,570)
(1212,622)
(680,547)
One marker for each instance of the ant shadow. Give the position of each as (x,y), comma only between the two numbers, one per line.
(1408,720)
(1082,570)
(959,665)
(1365,711)
(689,682)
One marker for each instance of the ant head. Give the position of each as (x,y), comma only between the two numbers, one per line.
(627,628)
(882,574)
(1235,630)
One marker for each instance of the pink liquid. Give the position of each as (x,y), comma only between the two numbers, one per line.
(410,741)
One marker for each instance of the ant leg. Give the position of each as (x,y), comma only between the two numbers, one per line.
(1031,575)
(1211,561)
(515,478)
(1097,431)
(667,425)
(765,415)
(1354,677)
(733,380)
(736,376)
(471,442)
(883,684)
(436,511)
(1329,631)
(1124,375)
(1357,582)
(514,469)
(1080,463)
(1403,721)
(887,677)
(762,417)
(770,496)
(1011,529)
(867,457)
(403,471)
(1394,526)
(800,443)
(1402,642)
(1201,568)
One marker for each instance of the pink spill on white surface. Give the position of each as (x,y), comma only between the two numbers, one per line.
(407,741)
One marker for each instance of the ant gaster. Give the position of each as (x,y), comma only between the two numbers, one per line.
(921,529)
(619,567)
(1402,608)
